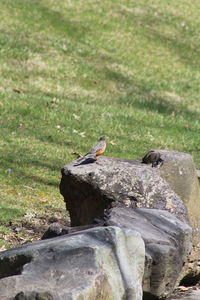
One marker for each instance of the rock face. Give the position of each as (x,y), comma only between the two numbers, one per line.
(193,295)
(167,243)
(91,188)
(156,182)
(99,263)
(129,203)
(198,175)
(179,171)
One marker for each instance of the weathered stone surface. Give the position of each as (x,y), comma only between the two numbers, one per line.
(55,230)
(100,263)
(198,175)
(109,182)
(167,243)
(91,189)
(34,296)
(194,295)
(172,184)
(179,171)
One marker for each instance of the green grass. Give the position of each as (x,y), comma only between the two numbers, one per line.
(125,69)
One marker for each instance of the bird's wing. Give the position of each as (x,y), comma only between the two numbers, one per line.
(96,148)
(88,159)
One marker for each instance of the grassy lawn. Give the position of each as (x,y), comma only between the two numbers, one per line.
(71,71)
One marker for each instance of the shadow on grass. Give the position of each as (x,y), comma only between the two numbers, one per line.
(19,43)
(8,213)
(159,104)
(40,180)
(20,177)
(19,168)
(140,96)
(147,23)
(61,24)
(136,94)
(177,38)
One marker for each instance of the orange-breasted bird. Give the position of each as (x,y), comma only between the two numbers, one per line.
(99,147)
(95,151)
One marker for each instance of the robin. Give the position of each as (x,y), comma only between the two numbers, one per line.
(95,151)
(99,147)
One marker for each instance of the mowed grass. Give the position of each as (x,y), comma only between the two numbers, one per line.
(71,71)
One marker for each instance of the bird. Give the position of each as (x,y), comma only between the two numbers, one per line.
(99,147)
(153,157)
(96,150)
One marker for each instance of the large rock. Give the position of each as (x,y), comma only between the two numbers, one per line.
(167,243)
(171,185)
(179,171)
(198,175)
(91,188)
(100,263)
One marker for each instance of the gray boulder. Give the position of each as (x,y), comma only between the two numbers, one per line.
(179,171)
(99,263)
(108,182)
(198,175)
(167,244)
